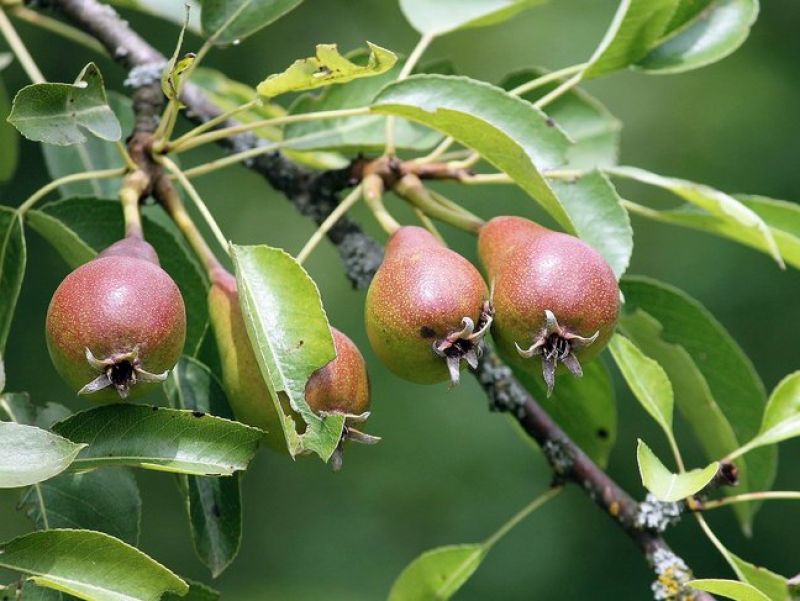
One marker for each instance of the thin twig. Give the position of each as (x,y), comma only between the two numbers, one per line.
(19,49)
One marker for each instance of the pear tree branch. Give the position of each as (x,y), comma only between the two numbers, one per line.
(315,195)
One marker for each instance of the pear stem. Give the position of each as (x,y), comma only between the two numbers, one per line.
(411,188)
(372,188)
(130,193)
(349,201)
(170,199)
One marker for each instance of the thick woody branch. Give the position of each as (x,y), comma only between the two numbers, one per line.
(316,195)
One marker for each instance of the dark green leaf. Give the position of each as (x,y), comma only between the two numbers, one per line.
(183,442)
(437,574)
(665,485)
(29,454)
(106,500)
(593,129)
(735,215)
(291,339)
(702,32)
(57,113)
(355,134)
(443,16)
(13,257)
(78,228)
(230,21)
(214,504)
(92,155)
(716,387)
(326,68)
(9,140)
(584,407)
(90,565)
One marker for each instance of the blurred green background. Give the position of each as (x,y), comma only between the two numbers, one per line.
(447,471)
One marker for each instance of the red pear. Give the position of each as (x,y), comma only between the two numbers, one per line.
(554,296)
(427,309)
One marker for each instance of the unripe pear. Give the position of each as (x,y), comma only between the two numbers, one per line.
(427,309)
(342,388)
(554,296)
(117,324)
(244,385)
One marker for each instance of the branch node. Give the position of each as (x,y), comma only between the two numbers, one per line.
(658,515)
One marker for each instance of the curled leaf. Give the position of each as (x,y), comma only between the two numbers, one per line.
(326,68)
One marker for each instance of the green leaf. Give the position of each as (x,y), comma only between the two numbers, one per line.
(229,94)
(585,408)
(230,21)
(197,592)
(32,592)
(437,574)
(667,486)
(647,380)
(634,30)
(173,12)
(92,155)
(326,68)
(291,339)
(156,438)
(782,413)
(732,589)
(702,32)
(735,214)
(89,565)
(444,16)
(716,387)
(13,258)
(599,219)
(78,228)
(520,140)
(355,134)
(593,129)
(57,113)
(29,454)
(105,500)
(9,140)
(772,585)
(214,504)
(782,218)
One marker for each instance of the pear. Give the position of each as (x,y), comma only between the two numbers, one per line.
(117,324)
(554,296)
(427,309)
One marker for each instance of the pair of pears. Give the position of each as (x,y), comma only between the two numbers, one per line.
(553,297)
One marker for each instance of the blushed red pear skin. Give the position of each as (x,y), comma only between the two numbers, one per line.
(117,324)
(426,309)
(554,296)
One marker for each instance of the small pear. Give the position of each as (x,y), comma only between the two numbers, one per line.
(554,296)
(427,309)
(342,388)
(117,324)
